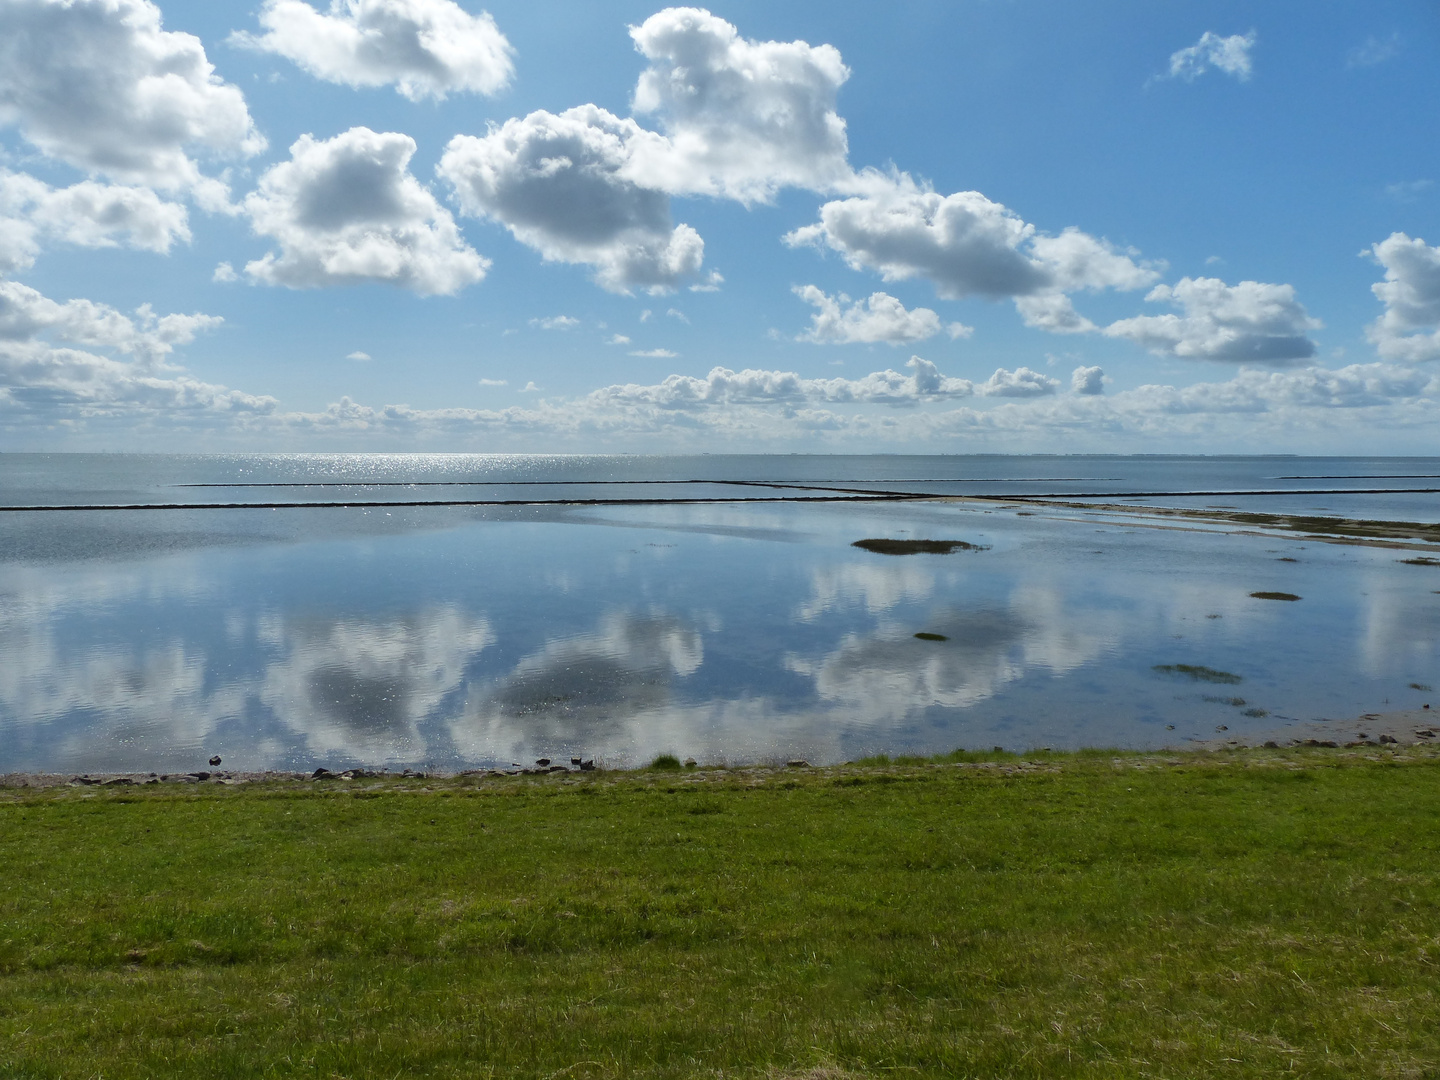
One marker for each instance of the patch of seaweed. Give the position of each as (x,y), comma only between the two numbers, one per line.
(1198,672)
(925,635)
(1274,596)
(1421,560)
(917,547)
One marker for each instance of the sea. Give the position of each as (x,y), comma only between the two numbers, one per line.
(447,612)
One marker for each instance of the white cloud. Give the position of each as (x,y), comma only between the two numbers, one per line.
(1228,54)
(1087,380)
(725,387)
(655,354)
(1250,322)
(25,314)
(968,245)
(744,118)
(427,48)
(224,274)
(42,378)
(87,214)
(880,318)
(711,282)
(1052,311)
(359,356)
(566,185)
(1076,260)
(676,313)
(530,388)
(1408,191)
(1410,327)
(555,322)
(100,85)
(1021,383)
(494,382)
(617,339)
(1370,408)
(346,210)
(1374,51)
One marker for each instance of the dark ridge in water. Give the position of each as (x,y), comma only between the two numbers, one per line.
(916,547)
(577,483)
(882,496)
(1233,491)
(1365,476)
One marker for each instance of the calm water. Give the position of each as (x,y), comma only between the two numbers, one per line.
(536,607)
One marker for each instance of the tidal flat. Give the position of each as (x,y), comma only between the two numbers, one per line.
(1236,913)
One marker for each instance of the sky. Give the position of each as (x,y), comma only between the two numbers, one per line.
(928,226)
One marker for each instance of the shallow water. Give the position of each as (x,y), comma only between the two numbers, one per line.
(459,636)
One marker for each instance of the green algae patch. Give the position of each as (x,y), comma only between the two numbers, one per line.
(1200,673)
(917,547)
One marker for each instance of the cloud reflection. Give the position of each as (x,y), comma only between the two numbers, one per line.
(583,693)
(889,675)
(361,686)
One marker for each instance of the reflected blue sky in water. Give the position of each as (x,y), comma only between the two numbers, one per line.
(453,638)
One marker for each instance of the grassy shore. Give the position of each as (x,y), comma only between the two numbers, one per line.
(1252,913)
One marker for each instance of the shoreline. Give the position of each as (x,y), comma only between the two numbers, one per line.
(1402,729)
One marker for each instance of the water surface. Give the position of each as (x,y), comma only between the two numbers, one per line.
(453,636)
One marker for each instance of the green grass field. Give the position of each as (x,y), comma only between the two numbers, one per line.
(1206,915)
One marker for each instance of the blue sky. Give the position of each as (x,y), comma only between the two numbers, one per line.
(933,227)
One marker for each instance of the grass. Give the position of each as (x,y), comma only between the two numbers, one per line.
(1242,914)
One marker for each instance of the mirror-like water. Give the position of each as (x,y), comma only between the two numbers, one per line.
(459,636)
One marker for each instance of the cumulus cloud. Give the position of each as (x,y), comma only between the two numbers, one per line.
(26,314)
(744,118)
(347,210)
(1358,386)
(838,321)
(1250,322)
(566,185)
(1052,311)
(43,377)
(1087,380)
(655,354)
(1370,407)
(556,322)
(1410,327)
(725,387)
(968,245)
(426,48)
(1228,54)
(87,214)
(1021,383)
(100,85)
